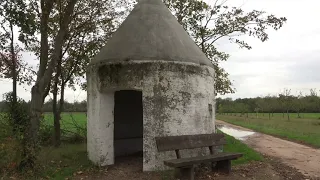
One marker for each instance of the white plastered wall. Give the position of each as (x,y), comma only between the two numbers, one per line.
(176,98)
(99,124)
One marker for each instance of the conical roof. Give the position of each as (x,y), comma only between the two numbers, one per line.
(151,32)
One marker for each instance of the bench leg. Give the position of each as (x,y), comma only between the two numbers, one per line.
(213,166)
(185,173)
(224,166)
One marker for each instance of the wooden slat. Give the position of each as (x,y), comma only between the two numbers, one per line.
(170,143)
(201,159)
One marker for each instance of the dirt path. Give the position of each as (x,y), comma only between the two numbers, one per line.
(303,158)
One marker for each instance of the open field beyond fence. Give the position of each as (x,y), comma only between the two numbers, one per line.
(304,130)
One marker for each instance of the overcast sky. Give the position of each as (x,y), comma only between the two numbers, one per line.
(289,59)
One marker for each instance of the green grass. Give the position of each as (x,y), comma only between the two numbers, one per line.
(69,121)
(297,129)
(234,145)
(52,163)
(291,115)
(62,162)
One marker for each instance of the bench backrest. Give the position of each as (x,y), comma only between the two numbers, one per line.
(170,143)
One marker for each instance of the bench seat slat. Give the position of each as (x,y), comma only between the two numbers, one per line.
(202,159)
(170,143)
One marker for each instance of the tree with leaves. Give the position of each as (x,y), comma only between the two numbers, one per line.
(298,103)
(64,27)
(207,24)
(270,105)
(14,17)
(286,100)
(41,12)
(91,26)
(261,105)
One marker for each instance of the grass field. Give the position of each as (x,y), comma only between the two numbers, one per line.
(69,121)
(63,162)
(280,115)
(305,130)
(234,145)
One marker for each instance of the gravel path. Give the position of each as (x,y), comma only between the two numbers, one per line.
(305,159)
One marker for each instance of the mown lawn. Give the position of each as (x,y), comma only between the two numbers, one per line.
(304,130)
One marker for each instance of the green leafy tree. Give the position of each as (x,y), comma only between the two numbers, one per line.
(298,104)
(287,101)
(13,17)
(38,15)
(262,105)
(270,105)
(92,24)
(207,24)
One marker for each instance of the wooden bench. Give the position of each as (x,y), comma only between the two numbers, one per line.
(185,165)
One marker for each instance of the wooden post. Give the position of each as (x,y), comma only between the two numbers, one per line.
(224,166)
(213,163)
(185,173)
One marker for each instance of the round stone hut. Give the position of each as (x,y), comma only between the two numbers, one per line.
(150,80)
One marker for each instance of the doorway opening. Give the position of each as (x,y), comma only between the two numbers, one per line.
(128,124)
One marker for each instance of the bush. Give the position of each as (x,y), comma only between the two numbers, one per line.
(14,121)
(16,115)
(45,133)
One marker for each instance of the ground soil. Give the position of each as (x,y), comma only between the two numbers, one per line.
(303,158)
(130,168)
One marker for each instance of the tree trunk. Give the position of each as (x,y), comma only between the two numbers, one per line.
(288,115)
(62,98)
(44,75)
(269,116)
(30,142)
(56,116)
(56,111)
(30,145)
(13,67)
(283,114)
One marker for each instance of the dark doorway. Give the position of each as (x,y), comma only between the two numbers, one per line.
(128,123)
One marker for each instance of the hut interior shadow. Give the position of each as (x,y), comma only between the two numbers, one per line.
(128,125)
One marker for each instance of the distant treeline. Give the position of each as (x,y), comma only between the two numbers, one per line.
(68,107)
(282,103)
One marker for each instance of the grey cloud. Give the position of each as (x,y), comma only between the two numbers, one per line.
(305,71)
